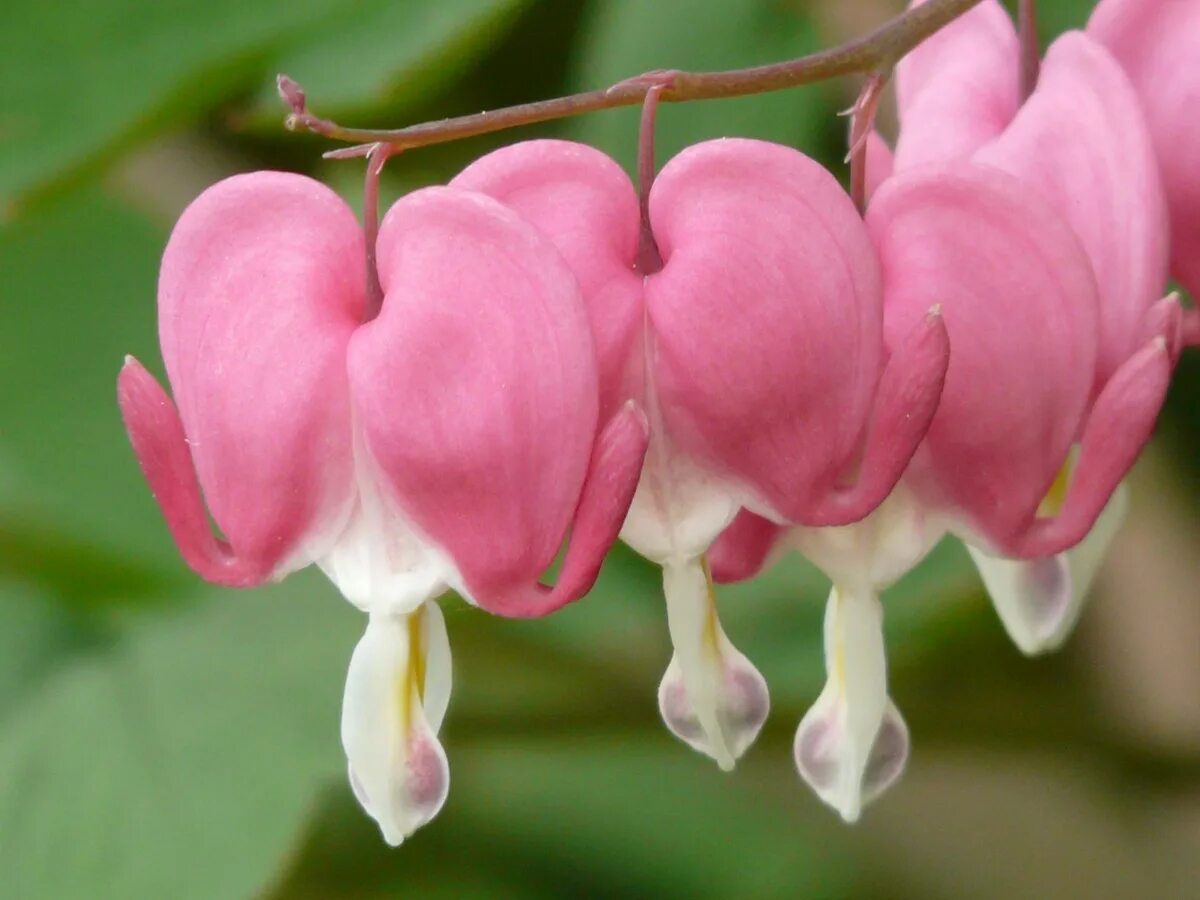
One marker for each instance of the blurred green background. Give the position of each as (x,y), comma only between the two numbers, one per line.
(163,738)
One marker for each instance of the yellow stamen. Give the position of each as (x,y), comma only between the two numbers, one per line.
(1052,503)
(412,682)
(711,624)
(839,647)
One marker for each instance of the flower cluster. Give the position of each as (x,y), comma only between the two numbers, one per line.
(732,363)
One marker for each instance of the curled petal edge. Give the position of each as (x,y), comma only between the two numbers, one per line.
(608,489)
(905,403)
(160,444)
(1119,426)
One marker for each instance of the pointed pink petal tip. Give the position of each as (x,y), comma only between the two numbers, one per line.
(905,404)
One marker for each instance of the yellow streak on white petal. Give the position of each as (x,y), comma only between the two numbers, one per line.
(411,689)
(712,627)
(1052,503)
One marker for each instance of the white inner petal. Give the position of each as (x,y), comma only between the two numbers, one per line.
(852,744)
(381,562)
(1040,600)
(711,696)
(678,508)
(878,550)
(397,688)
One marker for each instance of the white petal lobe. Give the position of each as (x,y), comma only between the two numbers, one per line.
(852,744)
(711,696)
(397,689)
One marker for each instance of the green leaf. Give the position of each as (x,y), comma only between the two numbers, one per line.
(590,815)
(628,37)
(79,79)
(182,758)
(677,826)
(389,53)
(81,277)
(35,638)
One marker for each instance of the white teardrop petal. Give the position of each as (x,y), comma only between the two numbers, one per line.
(711,697)
(1040,601)
(1033,597)
(852,744)
(397,767)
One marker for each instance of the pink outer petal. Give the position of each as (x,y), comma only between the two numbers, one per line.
(1019,302)
(959,88)
(261,286)
(1082,141)
(742,550)
(612,478)
(1157,41)
(1117,429)
(162,451)
(907,398)
(880,163)
(766,317)
(1190,331)
(476,385)
(583,201)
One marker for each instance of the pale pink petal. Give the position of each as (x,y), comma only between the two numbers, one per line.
(476,385)
(958,88)
(583,201)
(262,283)
(1156,42)
(1081,140)
(1019,301)
(766,317)
(880,162)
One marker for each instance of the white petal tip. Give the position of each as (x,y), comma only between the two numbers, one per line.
(1035,598)
(396,766)
(724,727)
(415,794)
(845,773)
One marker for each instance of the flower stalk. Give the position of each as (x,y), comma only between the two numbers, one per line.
(874,52)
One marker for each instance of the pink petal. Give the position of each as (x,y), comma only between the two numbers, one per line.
(1156,42)
(476,385)
(905,403)
(583,201)
(162,451)
(958,88)
(1119,426)
(742,550)
(1019,302)
(261,286)
(1082,141)
(880,162)
(766,317)
(607,492)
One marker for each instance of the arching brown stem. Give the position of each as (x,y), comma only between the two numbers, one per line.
(874,52)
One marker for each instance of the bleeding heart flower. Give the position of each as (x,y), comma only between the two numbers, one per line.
(449,443)
(1082,142)
(746,317)
(1156,42)
(1040,231)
